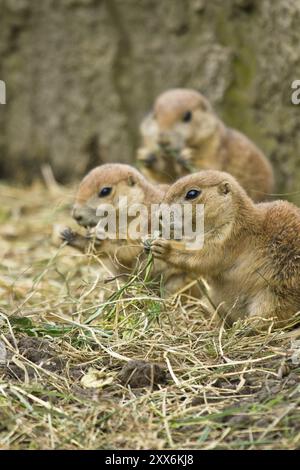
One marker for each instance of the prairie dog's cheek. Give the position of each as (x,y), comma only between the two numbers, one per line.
(204,125)
(187,131)
(136,195)
(104,200)
(94,202)
(178,135)
(127,195)
(120,202)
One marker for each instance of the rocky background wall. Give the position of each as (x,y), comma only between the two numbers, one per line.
(81,74)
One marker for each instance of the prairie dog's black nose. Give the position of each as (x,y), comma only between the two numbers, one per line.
(150,159)
(78,217)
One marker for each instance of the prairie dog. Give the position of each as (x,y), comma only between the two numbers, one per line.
(251,252)
(184,135)
(109,184)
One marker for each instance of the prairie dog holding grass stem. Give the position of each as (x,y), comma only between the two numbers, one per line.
(109,184)
(251,252)
(184,135)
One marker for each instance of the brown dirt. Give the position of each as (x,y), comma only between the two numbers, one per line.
(139,374)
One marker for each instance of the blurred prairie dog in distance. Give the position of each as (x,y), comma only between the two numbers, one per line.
(184,135)
(107,184)
(251,252)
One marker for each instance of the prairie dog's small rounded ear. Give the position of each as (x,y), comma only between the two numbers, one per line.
(224,187)
(131,181)
(205,106)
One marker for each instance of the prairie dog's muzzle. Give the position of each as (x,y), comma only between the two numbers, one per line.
(84,215)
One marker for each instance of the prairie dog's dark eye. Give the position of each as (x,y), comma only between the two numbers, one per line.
(104,192)
(187,117)
(192,194)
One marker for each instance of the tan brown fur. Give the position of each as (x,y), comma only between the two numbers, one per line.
(251,252)
(124,254)
(177,148)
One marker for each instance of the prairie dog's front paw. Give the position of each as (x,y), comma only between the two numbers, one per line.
(160,248)
(68,235)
